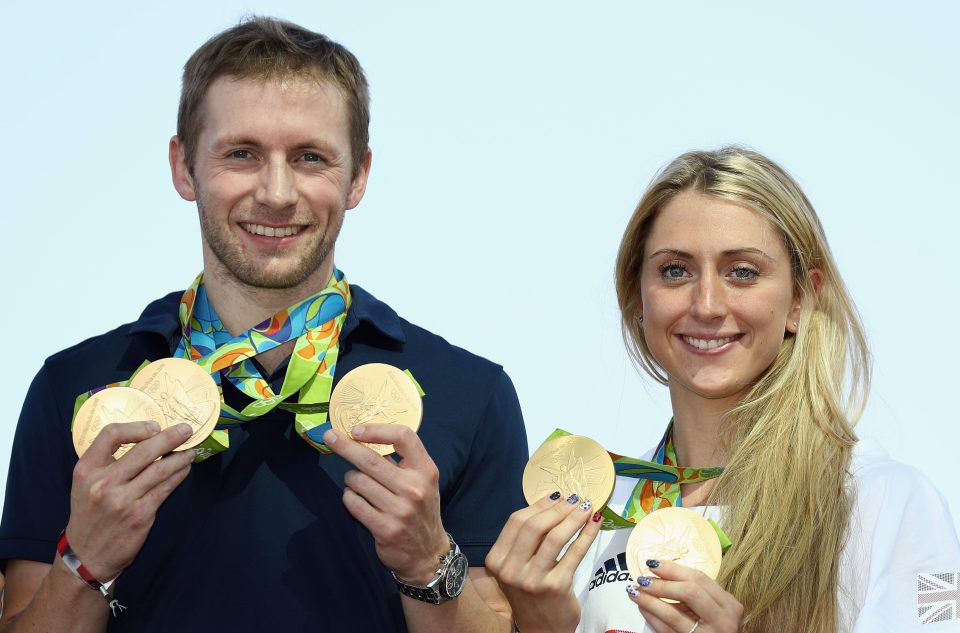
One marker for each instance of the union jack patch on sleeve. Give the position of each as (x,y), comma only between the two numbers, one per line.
(937,597)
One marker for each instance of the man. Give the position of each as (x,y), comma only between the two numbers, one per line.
(268,534)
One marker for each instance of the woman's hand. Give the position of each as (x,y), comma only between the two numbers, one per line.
(524,562)
(703,606)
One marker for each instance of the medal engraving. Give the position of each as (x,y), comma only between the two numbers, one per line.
(675,534)
(375,393)
(113,406)
(185,393)
(572,464)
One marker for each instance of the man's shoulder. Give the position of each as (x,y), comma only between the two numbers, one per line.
(113,347)
(418,343)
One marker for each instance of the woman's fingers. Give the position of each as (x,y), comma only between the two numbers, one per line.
(699,597)
(502,550)
(581,545)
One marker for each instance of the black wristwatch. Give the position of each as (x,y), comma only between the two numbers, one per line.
(447,583)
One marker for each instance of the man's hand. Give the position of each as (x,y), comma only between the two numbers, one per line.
(399,502)
(113,502)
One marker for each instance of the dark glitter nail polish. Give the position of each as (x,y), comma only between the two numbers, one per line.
(644,582)
(555,496)
(572,499)
(597,516)
(653,564)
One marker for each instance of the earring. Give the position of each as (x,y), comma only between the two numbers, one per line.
(796,324)
(640,318)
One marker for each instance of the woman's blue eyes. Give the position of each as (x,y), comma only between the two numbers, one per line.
(675,272)
(742,273)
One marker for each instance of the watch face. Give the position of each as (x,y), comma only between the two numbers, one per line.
(456,576)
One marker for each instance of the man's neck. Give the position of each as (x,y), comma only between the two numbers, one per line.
(241,307)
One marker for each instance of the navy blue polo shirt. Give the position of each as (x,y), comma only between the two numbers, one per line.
(257,538)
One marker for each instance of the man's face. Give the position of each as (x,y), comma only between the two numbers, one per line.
(272,178)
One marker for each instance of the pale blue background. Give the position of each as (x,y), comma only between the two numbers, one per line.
(511,142)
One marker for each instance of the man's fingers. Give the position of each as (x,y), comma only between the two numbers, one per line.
(146,452)
(405,442)
(363,458)
(153,498)
(360,509)
(370,489)
(159,471)
(112,436)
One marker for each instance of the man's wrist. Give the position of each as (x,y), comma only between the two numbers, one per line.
(427,569)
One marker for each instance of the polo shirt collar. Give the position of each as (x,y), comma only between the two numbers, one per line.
(161,317)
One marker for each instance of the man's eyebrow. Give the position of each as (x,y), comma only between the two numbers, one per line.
(745,250)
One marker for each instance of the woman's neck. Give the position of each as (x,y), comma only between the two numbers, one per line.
(698,425)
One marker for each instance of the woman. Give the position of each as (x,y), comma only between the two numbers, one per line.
(729,296)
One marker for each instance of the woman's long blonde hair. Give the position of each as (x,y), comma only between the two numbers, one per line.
(787,506)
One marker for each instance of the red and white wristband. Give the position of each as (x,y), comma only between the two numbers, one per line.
(81,572)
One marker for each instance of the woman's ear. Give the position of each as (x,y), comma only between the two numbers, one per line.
(793,317)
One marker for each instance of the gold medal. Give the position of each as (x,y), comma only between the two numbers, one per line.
(375,394)
(185,393)
(572,464)
(113,405)
(675,534)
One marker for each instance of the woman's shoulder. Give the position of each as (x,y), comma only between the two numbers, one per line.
(881,482)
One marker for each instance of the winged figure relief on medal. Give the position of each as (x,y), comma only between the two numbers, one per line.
(182,404)
(571,473)
(363,403)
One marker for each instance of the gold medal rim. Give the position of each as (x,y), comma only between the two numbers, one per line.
(411,421)
(194,372)
(533,492)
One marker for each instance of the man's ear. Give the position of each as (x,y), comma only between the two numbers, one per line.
(182,179)
(359,184)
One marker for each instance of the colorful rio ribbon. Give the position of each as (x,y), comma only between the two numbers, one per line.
(315,323)
(658,484)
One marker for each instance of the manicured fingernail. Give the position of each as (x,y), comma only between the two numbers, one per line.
(597,516)
(330,438)
(153,427)
(653,564)
(572,499)
(644,582)
(184,429)
(586,505)
(633,591)
(555,496)
(357,431)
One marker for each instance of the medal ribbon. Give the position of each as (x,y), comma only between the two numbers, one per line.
(658,484)
(315,323)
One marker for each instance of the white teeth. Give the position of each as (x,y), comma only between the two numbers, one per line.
(712,343)
(270,231)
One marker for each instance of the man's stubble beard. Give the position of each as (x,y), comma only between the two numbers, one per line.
(219,238)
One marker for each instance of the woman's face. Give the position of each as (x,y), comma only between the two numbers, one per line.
(717,296)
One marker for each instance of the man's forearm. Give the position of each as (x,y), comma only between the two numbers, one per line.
(468,613)
(62,604)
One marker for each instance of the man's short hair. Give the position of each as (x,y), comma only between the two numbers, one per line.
(267,48)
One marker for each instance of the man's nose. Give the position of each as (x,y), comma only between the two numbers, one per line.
(278,185)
